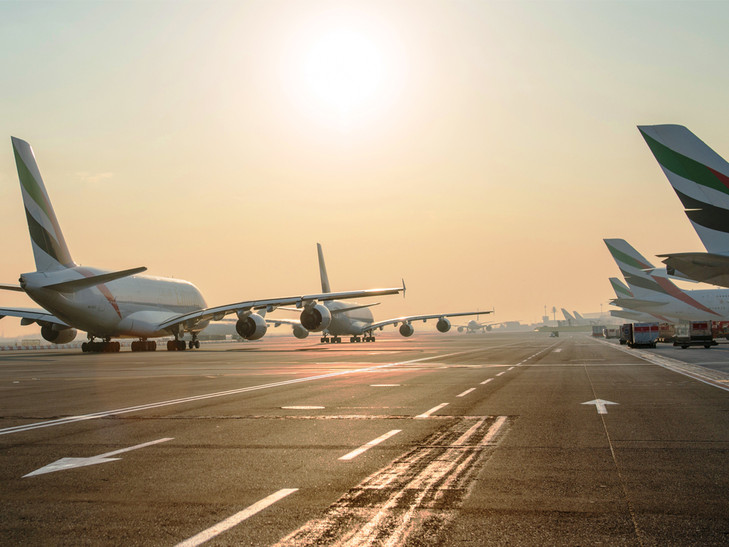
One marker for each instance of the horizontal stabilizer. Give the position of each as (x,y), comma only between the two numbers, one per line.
(86,282)
(637,304)
(7,287)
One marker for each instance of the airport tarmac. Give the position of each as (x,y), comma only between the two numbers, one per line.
(492,439)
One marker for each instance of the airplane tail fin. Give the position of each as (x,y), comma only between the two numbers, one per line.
(49,246)
(567,316)
(700,178)
(635,269)
(620,288)
(325,287)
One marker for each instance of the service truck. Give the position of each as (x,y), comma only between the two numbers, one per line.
(694,333)
(643,335)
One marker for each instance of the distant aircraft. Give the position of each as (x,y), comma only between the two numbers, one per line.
(474,326)
(653,292)
(567,317)
(700,178)
(120,304)
(357,320)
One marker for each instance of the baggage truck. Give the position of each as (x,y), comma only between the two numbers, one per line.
(643,335)
(597,330)
(694,333)
(666,332)
(611,332)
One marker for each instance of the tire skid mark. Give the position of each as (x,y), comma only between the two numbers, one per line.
(413,498)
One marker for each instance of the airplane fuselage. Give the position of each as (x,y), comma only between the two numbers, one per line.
(352,322)
(129,307)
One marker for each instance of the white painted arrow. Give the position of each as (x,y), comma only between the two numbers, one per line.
(600,404)
(70,463)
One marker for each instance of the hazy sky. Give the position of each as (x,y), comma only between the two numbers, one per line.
(481,150)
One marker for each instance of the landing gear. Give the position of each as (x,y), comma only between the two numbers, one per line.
(194,343)
(368,338)
(176,345)
(144,345)
(107,346)
(332,340)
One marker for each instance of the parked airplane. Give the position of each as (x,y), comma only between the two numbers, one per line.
(568,317)
(700,178)
(357,320)
(622,291)
(474,326)
(654,293)
(120,304)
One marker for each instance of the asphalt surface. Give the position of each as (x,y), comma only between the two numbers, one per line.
(450,439)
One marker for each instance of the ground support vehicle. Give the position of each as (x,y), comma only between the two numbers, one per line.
(694,333)
(643,335)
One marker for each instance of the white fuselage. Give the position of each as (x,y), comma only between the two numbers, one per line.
(695,305)
(353,322)
(127,307)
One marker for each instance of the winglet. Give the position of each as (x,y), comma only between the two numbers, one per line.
(403,287)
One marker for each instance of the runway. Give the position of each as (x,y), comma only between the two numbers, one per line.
(492,439)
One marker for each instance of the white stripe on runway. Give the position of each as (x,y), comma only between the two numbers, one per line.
(500,373)
(227,524)
(466,392)
(486,381)
(434,409)
(493,430)
(366,447)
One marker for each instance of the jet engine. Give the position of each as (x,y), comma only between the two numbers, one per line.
(488,327)
(406,329)
(443,325)
(315,318)
(62,336)
(300,332)
(251,327)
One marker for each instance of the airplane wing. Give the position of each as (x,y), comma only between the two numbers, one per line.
(32,315)
(189,320)
(278,322)
(423,318)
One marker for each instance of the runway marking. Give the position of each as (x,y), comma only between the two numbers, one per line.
(367,446)
(70,463)
(385,385)
(411,500)
(600,405)
(431,411)
(486,381)
(510,368)
(302,407)
(230,522)
(500,373)
(558,350)
(466,392)
(105,414)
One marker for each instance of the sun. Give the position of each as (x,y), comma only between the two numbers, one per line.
(344,71)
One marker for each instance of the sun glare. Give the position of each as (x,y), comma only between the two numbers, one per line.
(343,72)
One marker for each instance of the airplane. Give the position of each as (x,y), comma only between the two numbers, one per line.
(357,320)
(124,304)
(567,317)
(700,178)
(474,326)
(654,292)
(622,291)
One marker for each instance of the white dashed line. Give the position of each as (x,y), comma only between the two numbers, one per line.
(366,447)
(431,411)
(486,381)
(236,519)
(500,373)
(385,385)
(466,392)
